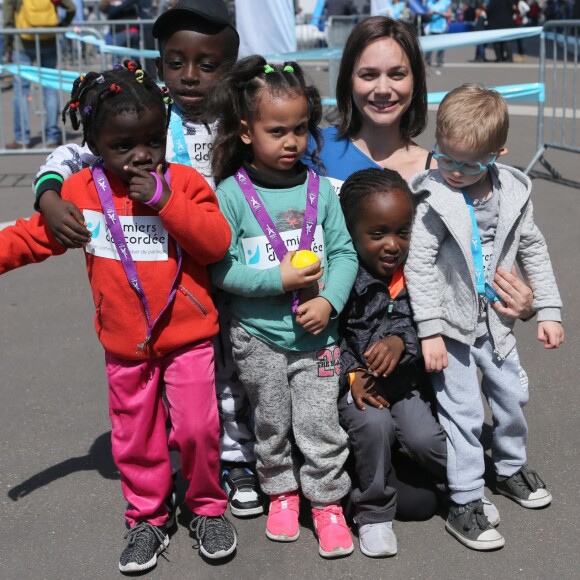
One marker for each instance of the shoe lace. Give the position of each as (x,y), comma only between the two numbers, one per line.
(200,524)
(142,529)
(292,502)
(528,478)
(324,516)
(473,517)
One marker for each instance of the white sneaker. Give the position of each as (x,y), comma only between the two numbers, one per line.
(491,512)
(377,540)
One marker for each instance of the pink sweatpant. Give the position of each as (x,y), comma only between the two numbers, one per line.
(139,438)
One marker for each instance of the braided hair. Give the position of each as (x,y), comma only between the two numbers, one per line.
(366,183)
(124,89)
(236,98)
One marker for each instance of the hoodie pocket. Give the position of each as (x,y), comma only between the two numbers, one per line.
(192,298)
(99,315)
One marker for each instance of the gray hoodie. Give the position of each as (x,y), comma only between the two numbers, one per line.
(439,270)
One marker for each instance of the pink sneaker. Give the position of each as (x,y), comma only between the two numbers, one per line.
(334,539)
(282,523)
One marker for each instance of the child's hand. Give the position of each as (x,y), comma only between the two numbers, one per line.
(65,220)
(143,186)
(551,333)
(383,356)
(434,353)
(314,315)
(296,278)
(365,388)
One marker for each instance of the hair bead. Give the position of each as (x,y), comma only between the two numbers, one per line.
(288,69)
(268,69)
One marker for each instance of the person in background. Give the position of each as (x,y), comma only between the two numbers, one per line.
(340,8)
(500,15)
(22,50)
(521,11)
(535,13)
(440,12)
(480,25)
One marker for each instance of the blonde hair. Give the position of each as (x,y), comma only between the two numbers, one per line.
(474,116)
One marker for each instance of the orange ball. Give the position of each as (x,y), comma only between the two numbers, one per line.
(303,258)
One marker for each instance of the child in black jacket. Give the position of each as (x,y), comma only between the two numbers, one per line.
(382,400)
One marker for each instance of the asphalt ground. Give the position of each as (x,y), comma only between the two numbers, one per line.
(61,502)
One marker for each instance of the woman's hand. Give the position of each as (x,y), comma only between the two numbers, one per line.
(64,219)
(296,278)
(514,293)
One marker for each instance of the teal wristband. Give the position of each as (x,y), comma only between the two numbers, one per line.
(44,178)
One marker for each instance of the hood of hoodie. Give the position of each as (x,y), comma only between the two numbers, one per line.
(506,180)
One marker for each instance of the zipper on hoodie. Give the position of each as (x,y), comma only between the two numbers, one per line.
(191,297)
(470,268)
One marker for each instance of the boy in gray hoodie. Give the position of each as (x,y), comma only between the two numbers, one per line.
(474,216)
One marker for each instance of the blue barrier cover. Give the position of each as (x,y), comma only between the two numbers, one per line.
(527,93)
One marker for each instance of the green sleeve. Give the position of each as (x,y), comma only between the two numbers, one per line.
(340,253)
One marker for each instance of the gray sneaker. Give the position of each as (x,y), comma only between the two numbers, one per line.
(524,487)
(144,543)
(377,540)
(216,537)
(471,527)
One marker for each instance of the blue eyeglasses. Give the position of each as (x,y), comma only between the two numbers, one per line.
(466,167)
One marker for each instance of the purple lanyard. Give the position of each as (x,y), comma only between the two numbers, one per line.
(112,218)
(267,223)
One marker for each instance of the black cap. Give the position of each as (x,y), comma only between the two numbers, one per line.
(212,11)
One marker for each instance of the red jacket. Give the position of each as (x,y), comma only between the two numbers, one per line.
(191,217)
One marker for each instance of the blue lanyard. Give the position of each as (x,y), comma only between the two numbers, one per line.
(178,137)
(483,288)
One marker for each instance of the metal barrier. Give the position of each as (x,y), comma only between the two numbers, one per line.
(38,88)
(559,48)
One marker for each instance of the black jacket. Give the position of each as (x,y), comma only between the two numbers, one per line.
(365,320)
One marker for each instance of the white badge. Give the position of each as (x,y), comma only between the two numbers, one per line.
(259,254)
(145,236)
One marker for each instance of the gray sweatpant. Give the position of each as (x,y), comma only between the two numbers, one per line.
(294,399)
(461,413)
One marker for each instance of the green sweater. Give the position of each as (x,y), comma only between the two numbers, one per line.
(250,271)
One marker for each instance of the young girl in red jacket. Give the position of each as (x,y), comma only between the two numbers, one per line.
(155,228)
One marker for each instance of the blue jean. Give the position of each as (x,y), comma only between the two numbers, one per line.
(26,57)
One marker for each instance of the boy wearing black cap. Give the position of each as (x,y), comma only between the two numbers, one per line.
(197,44)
